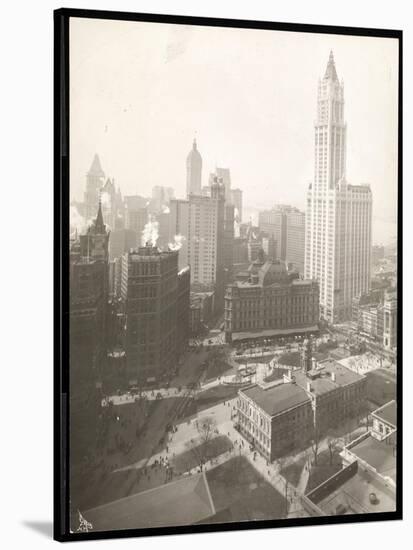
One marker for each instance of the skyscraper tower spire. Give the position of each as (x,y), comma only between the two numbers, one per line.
(331,72)
(99,224)
(193,171)
(94,244)
(338,217)
(96,168)
(330,130)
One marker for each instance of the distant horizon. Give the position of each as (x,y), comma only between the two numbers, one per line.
(249,98)
(384,230)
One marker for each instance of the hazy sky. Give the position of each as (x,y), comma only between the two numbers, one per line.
(141,91)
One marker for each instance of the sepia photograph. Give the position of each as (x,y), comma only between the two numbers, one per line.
(230,328)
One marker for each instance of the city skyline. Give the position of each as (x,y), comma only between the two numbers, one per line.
(231,320)
(262,153)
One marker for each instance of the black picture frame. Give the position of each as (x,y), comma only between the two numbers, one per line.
(61,273)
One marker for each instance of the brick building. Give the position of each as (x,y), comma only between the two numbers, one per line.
(375,314)
(182,309)
(155,299)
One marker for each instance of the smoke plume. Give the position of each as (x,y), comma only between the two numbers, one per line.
(77,222)
(150,232)
(237,224)
(105,198)
(177,244)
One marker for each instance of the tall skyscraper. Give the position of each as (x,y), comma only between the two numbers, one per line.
(236,200)
(229,239)
(95,179)
(112,205)
(161,196)
(274,223)
(200,221)
(136,214)
(222,176)
(179,225)
(155,298)
(193,171)
(338,216)
(88,345)
(286,224)
(295,244)
(225,177)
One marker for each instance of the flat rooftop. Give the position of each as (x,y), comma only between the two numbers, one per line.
(278,398)
(387,413)
(353,496)
(324,381)
(379,454)
(181,502)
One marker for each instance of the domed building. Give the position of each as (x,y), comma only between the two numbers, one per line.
(270,301)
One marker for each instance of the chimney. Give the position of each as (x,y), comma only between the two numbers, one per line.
(308,385)
(333,376)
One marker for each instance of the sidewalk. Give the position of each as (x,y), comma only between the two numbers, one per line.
(269,471)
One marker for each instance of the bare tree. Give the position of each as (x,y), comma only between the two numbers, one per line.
(332,443)
(200,448)
(282,462)
(348,428)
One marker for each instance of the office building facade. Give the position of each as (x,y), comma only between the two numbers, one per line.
(272,301)
(193,171)
(155,299)
(338,215)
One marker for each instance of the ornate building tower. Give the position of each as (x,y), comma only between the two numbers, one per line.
(88,336)
(193,171)
(338,216)
(94,244)
(330,131)
(94,182)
